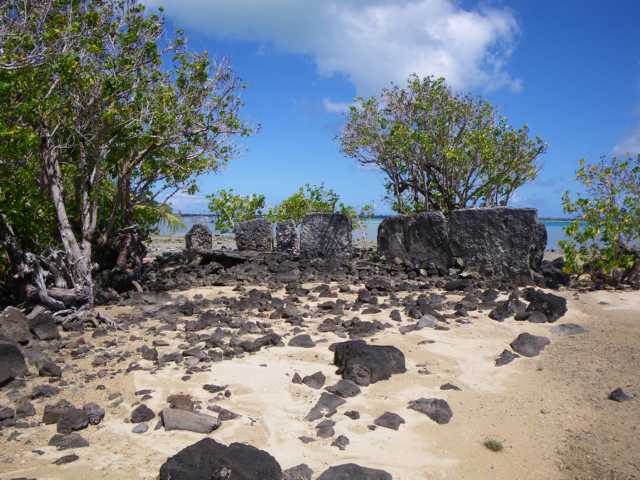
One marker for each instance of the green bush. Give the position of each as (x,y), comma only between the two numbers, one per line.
(603,240)
(232,208)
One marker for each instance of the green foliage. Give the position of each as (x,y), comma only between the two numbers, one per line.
(232,208)
(307,199)
(494,445)
(439,150)
(98,101)
(603,239)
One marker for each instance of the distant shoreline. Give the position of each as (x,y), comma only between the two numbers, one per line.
(379,217)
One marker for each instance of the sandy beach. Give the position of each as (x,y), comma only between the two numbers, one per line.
(551,412)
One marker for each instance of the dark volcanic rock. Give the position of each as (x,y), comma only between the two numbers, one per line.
(66,459)
(42,324)
(314,381)
(498,242)
(436,409)
(303,341)
(142,413)
(14,325)
(72,420)
(619,395)
(65,442)
(507,356)
(420,240)
(551,305)
(177,419)
(254,235)
(365,364)
(325,407)
(529,345)
(94,412)
(351,471)
(324,429)
(299,472)
(325,235)
(389,420)
(565,329)
(287,240)
(506,308)
(344,389)
(12,362)
(199,238)
(210,460)
(53,413)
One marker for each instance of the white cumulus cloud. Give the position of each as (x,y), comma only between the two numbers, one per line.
(370,42)
(630,144)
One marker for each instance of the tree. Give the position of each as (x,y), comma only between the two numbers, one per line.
(110,121)
(439,150)
(603,240)
(231,208)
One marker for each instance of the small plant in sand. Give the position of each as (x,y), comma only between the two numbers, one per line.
(494,445)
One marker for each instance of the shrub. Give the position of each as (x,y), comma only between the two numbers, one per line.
(232,208)
(603,240)
(494,445)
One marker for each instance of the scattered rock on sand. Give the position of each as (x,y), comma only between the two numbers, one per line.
(566,329)
(436,409)
(142,413)
(551,305)
(351,471)
(619,395)
(208,459)
(344,389)
(66,459)
(325,407)
(65,442)
(507,356)
(176,419)
(366,364)
(12,362)
(389,420)
(14,325)
(314,381)
(299,472)
(341,442)
(303,341)
(529,345)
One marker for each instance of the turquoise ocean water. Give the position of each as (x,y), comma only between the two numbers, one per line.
(555,228)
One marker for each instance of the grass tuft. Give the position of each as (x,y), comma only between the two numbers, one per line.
(494,445)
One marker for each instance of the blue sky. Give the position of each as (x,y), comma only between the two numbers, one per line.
(569,69)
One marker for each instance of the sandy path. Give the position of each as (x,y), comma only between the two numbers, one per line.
(551,412)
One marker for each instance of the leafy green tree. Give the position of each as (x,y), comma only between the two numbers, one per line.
(439,150)
(603,240)
(102,120)
(231,208)
(307,199)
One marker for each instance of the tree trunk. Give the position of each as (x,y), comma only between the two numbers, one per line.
(78,259)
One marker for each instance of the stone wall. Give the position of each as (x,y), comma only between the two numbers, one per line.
(326,234)
(254,235)
(287,238)
(198,238)
(496,242)
(419,240)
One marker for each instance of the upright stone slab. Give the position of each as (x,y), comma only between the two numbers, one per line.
(198,238)
(421,240)
(254,235)
(498,242)
(287,237)
(326,235)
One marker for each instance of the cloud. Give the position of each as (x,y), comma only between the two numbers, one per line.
(370,42)
(335,107)
(630,144)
